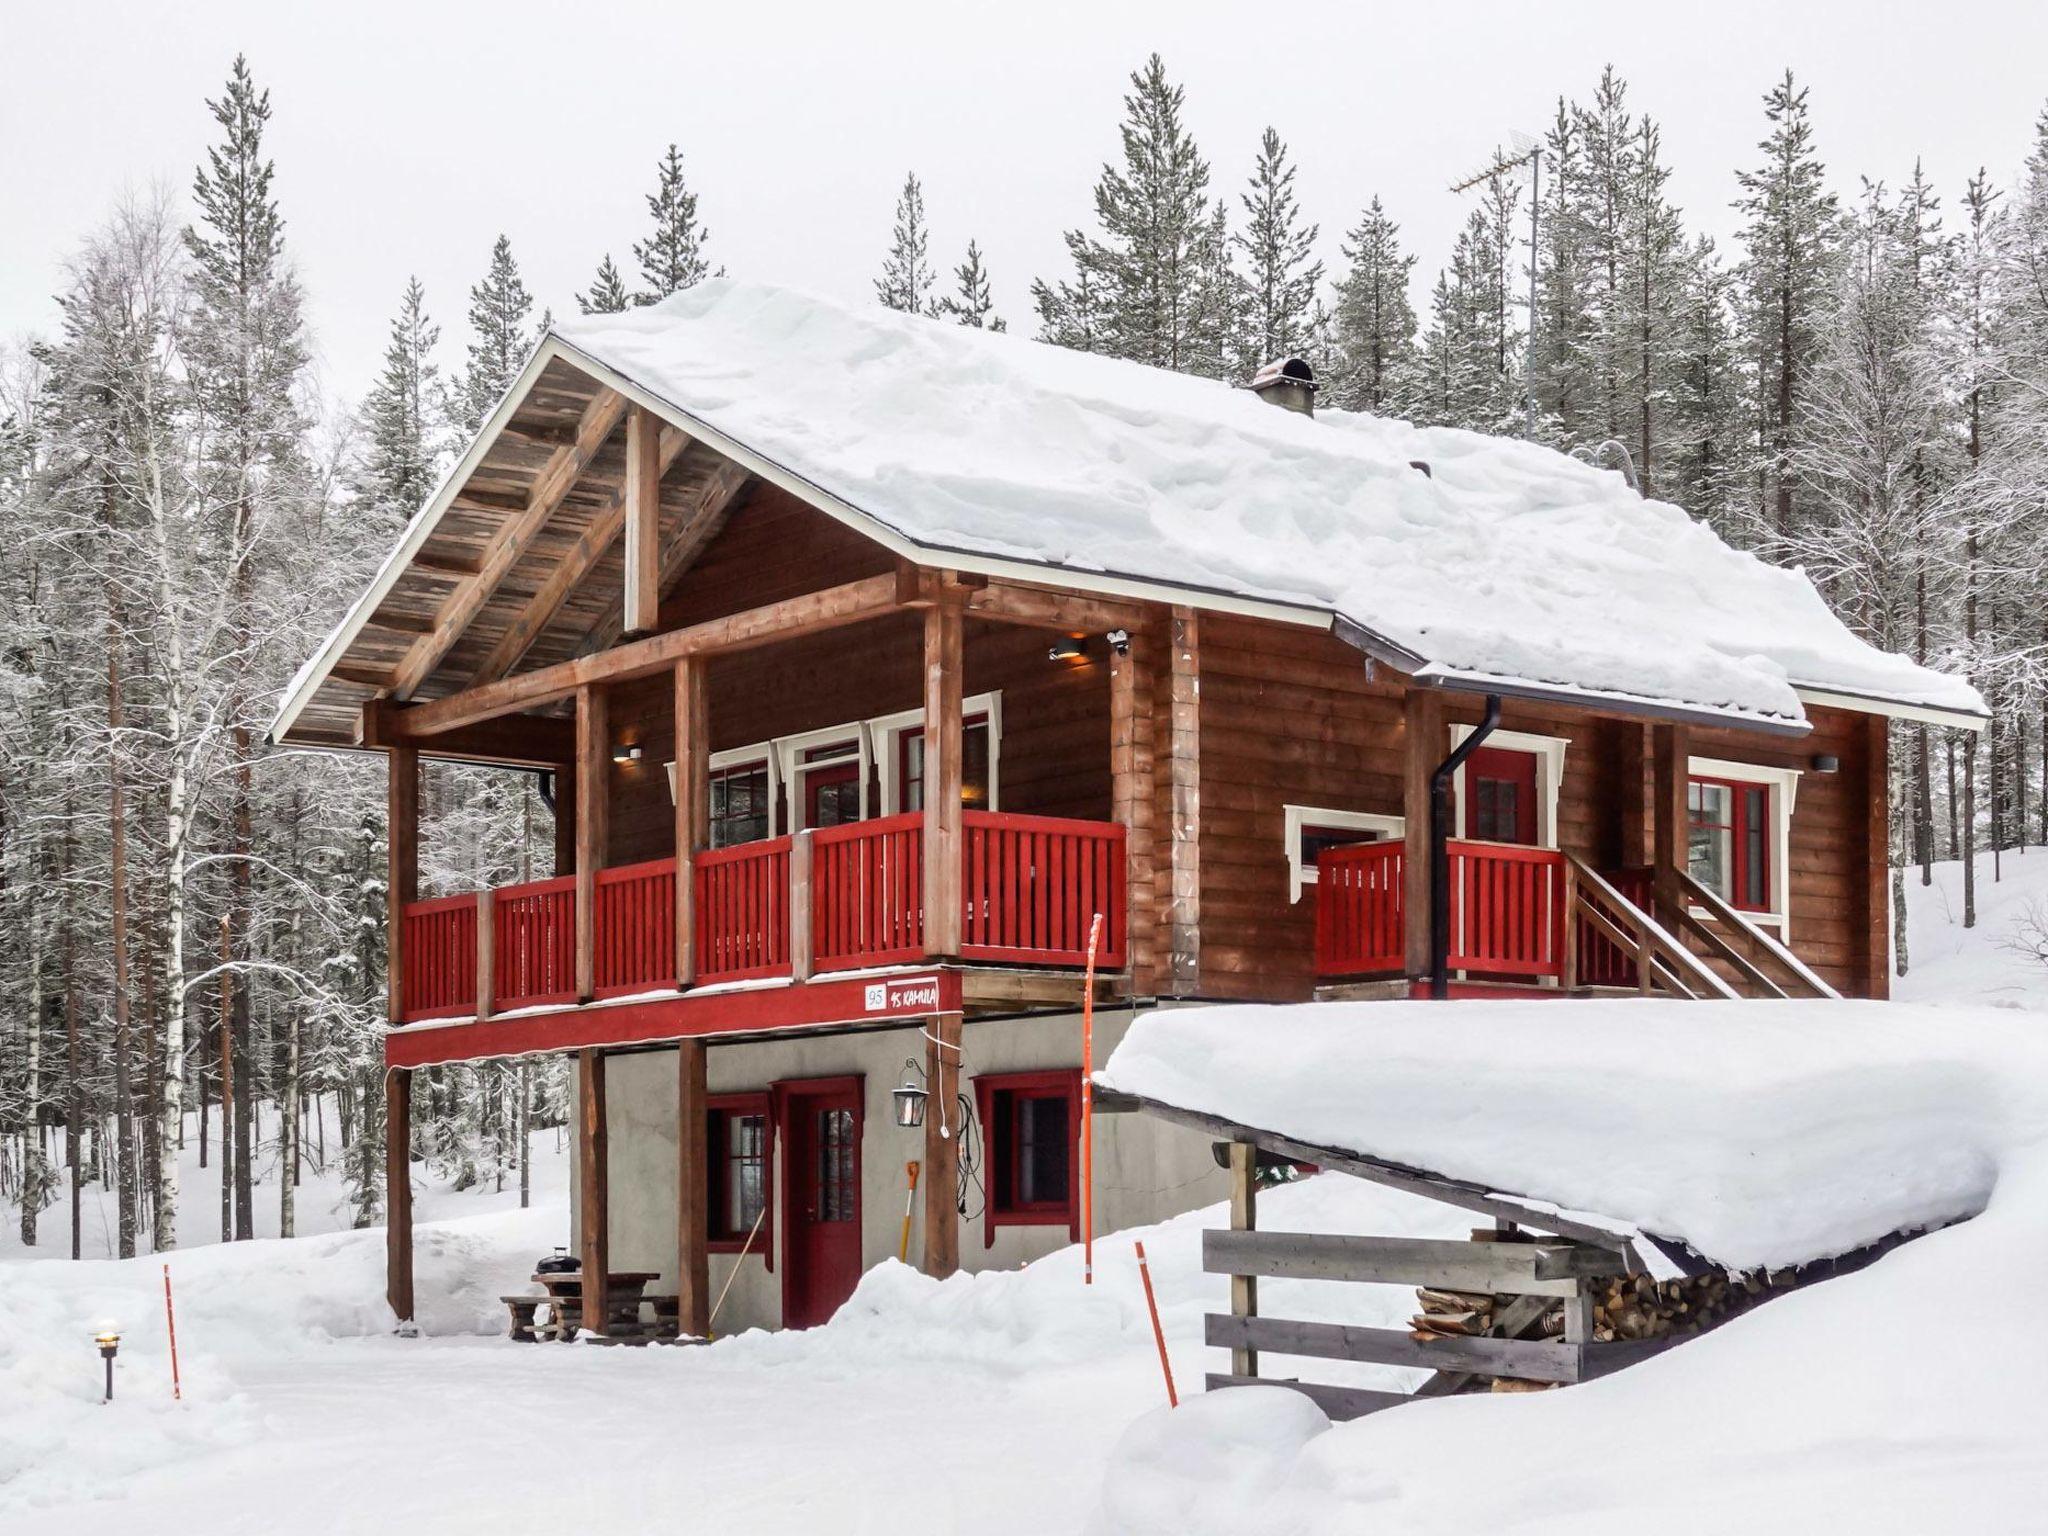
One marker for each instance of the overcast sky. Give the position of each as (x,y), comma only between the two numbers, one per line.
(408,136)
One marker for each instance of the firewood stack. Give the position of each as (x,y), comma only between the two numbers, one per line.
(1627,1307)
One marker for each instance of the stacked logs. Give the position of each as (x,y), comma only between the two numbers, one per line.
(1625,1307)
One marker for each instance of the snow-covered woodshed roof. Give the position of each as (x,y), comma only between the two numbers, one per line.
(1506,566)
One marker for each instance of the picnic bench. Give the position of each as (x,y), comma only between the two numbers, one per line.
(562,1295)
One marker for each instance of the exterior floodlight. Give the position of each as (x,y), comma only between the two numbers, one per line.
(1119,641)
(110,1343)
(911,1096)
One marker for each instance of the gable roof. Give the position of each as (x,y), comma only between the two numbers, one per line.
(1507,567)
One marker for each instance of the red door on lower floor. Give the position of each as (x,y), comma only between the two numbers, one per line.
(821,1127)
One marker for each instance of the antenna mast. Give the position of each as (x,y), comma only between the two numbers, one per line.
(1524,149)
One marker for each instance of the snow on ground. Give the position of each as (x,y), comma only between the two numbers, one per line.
(1953,964)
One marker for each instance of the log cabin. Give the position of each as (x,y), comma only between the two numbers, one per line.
(905,692)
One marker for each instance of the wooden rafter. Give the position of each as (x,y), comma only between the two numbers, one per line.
(568,574)
(554,482)
(701,521)
(641,500)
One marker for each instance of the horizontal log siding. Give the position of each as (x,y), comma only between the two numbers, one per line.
(1289,717)
(1055,743)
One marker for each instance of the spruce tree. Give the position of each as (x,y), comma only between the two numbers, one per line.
(1705,459)
(607,295)
(906,280)
(1374,321)
(1281,275)
(672,258)
(1789,239)
(970,303)
(1154,285)
(401,417)
(498,307)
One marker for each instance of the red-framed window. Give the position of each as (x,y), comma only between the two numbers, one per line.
(740,1130)
(741,808)
(1729,843)
(974,758)
(1031,1127)
(831,785)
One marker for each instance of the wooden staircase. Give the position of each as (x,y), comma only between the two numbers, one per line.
(1673,937)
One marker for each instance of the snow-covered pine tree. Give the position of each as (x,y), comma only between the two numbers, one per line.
(1563,361)
(607,294)
(906,280)
(1374,322)
(499,338)
(1281,274)
(402,416)
(1788,239)
(970,302)
(1154,272)
(1706,425)
(672,258)
(1653,278)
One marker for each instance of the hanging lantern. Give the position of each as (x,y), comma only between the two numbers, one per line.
(910,1096)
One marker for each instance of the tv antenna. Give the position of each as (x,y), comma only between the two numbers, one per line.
(1521,150)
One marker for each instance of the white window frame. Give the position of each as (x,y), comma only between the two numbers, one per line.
(888,731)
(1549,754)
(735,757)
(790,750)
(1783,784)
(1300,817)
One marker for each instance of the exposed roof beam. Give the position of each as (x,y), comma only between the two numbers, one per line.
(567,575)
(701,520)
(511,540)
(641,504)
(869,598)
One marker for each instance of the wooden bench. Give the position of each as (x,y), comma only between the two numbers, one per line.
(523,1309)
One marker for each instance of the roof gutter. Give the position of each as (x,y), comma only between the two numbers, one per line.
(1609,703)
(1893,709)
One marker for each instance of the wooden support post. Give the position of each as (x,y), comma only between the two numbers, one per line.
(942,1147)
(1670,821)
(398,1192)
(593,776)
(1568,926)
(1423,747)
(593,1185)
(693,805)
(1578,1315)
(1872,943)
(1184,768)
(693,1193)
(1244,1217)
(1132,790)
(943,681)
(643,520)
(402,881)
(486,952)
(800,943)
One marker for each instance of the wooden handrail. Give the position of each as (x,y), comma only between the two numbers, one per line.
(1682,970)
(1722,911)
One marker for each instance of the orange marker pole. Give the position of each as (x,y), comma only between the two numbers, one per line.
(909,1204)
(171,1323)
(1088,1108)
(1158,1333)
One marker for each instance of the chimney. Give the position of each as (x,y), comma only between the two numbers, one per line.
(1290,384)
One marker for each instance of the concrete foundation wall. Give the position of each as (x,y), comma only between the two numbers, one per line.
(1144,1169)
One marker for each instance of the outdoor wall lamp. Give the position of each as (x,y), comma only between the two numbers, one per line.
(626,754)
(1068,649)
(911,1095)
(110,1343)
(1827,762)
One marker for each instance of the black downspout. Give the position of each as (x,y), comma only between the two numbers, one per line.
(1440,851)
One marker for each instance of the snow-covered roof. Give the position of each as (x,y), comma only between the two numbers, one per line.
(1508,564)
(1759,1134)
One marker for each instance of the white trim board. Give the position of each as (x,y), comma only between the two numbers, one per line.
(1298,817)
(1549,754)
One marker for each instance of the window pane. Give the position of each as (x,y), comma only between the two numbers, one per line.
(1710,850)
(1756,822)
(739,806)
(974,766)
(835,1165)
(1042,1151)
(913,772)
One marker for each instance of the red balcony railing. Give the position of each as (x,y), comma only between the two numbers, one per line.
(1359,929)
(743,911)
(1507,910)
(635,929)
(867,893)
(439,978)
(533,950)
(1033,884)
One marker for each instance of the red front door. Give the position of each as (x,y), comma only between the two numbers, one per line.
(821,1135)
(1500,796)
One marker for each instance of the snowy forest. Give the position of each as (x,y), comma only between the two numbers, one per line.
(1858,387)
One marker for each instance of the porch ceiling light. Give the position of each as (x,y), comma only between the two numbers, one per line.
(911,1095)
